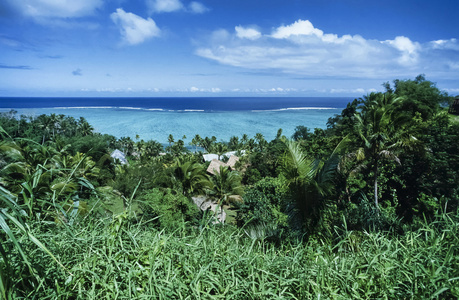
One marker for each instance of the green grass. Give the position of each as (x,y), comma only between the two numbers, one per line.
(124,260)
(454,118)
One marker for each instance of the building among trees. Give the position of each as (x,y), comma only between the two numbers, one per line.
(454,108)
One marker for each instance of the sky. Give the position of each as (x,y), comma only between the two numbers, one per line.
(178,48)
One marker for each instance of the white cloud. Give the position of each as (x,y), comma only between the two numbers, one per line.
(56,8)
(300,27)
(194,89)
(358,91)
(247,33)
(134,29)
(304,50)
(159,6)
(197,7)
(407,48)
(451,44)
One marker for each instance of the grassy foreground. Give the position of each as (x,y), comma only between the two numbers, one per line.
(125,260)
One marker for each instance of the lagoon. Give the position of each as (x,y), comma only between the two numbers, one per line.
(156,118)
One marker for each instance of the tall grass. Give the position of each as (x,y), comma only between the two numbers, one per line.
(120,259)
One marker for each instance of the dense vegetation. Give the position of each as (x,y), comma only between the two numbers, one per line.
(367,208)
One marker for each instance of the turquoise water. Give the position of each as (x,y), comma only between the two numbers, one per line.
(157,125)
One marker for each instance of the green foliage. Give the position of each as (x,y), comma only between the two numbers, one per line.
(301,133)
(15,261)
(213,262)
(264,203)
(59,184)
(95,145)
(310,181)
(226,183)
(189,176)
(171,209)
(421,96)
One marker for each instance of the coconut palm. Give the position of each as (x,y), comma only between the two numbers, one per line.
(45,123)
(127,145)
(234,143)
(221,149)
(208,143)
(84,128)
(190,175)
(196,141)
(226,183)
(152,148)
(261,142)
(170,139)
(383,131)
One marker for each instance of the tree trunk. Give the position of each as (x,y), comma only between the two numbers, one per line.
(375,171)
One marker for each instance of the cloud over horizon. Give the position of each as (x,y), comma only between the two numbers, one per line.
(54,8)
(300,48)
(133,28)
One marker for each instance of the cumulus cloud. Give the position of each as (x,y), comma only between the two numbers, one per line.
(300,48)
(134,29)
(300,27)
(408,49)
(197,8)
(166,6)
(54,8)
(247,33)
(159,6)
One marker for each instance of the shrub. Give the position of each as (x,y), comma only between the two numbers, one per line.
(264,203)
(172,209)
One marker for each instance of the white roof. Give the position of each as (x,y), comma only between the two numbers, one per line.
(117,154)
(211,156)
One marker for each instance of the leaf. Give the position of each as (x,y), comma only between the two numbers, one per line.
(8,231)
(437,293)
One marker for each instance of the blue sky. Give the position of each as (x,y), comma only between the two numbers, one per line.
(224,47)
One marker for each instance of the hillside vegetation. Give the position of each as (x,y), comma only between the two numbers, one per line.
(367,208)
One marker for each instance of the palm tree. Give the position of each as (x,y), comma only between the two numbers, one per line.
(55,123)
(196,141)
(170,139)
(234,143)
(152,148)
(127,144)
(279,134)
(84,128)
(261,142)
(191,175)
(244,138)
(221,149)
(309,180)
(208,143)
(69,126)
(250,144)
(226,183)
(45,123)
(383,132)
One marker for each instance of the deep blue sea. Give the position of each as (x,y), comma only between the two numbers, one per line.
(156,118)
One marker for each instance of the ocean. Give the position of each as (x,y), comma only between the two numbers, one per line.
(156,118)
